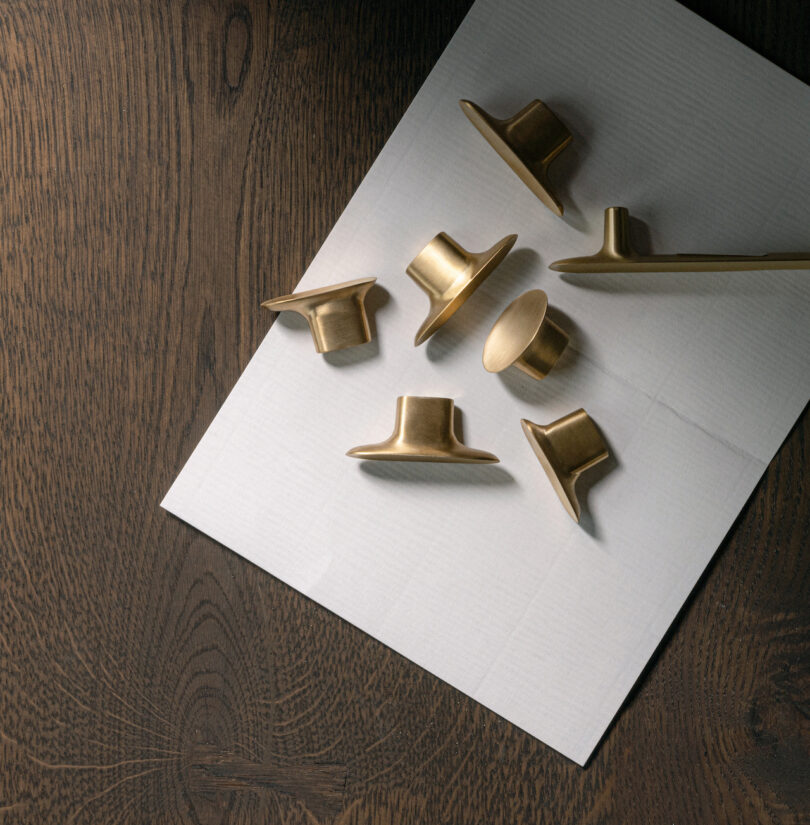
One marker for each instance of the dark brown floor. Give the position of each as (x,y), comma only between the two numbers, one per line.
(164,166)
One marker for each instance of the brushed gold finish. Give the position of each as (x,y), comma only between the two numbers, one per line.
(449,274)
(525,337)
(566,448)
(424,431)
(336,314)
(617,255)
(528,141)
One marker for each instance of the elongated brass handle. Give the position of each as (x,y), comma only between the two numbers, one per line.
(617,255)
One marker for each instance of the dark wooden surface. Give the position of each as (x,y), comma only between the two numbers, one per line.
(164,166)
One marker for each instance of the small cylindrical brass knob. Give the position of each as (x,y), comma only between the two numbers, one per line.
(528,141)
(449,274)
(424,430)
(336,314)
(525,337)
(566,448)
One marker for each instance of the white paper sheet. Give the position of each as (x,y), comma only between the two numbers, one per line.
(477,573)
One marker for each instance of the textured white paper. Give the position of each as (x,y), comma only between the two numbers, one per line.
(476,572)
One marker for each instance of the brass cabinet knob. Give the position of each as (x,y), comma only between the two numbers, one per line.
(336,314)
(525,337)
(449,274)
(566,448)
(618,255)
(528,141)
(424,431)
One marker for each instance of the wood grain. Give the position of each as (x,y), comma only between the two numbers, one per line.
(164,166)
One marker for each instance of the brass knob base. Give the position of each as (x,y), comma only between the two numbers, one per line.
(566,448)
(449,274)
(524,337)
(528,141)
(423,431)
(336,314)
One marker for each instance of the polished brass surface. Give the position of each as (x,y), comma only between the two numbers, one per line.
(527,141)
(336,314)
(566,448)
(617,255)
(525,337)
(449,275)
(424,431)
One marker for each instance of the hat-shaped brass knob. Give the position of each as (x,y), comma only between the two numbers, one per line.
(618,255)
(449,275)
(566,448)
(527,141)
(423,431)
(525,337)
(336,314)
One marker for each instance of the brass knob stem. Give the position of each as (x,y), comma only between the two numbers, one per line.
(439,265)
(425,421)
(339,324)
(617,233)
